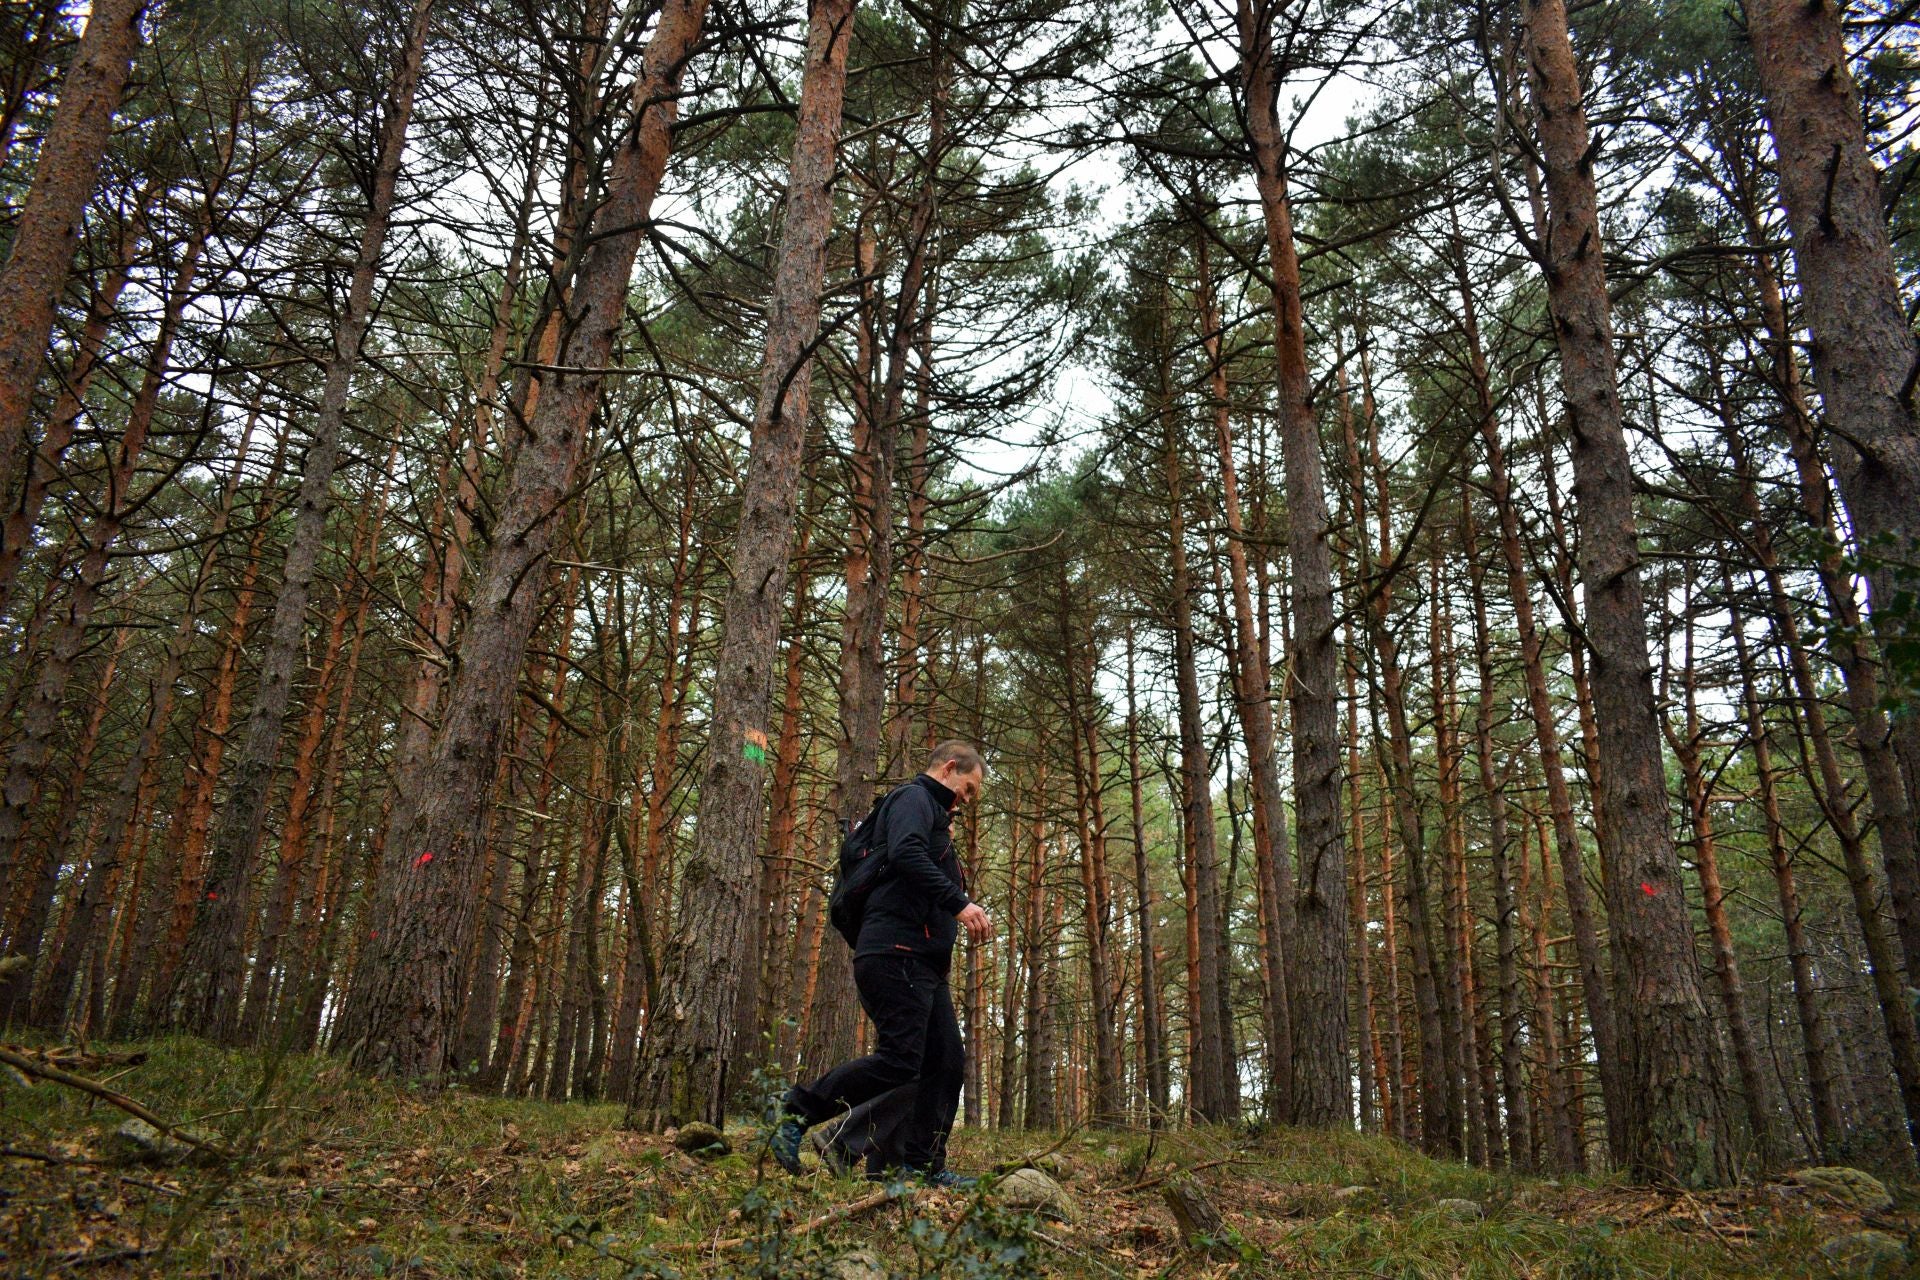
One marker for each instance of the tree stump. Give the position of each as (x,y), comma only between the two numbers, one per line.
(1201,1225)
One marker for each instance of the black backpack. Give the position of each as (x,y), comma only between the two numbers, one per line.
(862,865)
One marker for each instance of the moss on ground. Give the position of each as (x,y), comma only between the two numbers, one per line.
(344,1177)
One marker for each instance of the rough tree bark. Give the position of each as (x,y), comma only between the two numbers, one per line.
(1096,889)
(402,1012)
(1454,933)
(43,468)
(26,923)
(47,234)
(682,1072)
(1677,1123)
(1865,363)
(1317,973)
(1374,1092)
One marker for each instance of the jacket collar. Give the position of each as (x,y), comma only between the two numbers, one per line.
(941,792)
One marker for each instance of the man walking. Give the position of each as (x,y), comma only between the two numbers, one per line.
(900,966)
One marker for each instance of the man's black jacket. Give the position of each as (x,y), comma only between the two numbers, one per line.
(913,907)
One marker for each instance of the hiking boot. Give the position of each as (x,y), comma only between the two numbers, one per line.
(784,1142)
(948,1180)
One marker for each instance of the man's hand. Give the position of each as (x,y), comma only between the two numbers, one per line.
(978,923)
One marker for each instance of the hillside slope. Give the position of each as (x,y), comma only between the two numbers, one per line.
(337,1176)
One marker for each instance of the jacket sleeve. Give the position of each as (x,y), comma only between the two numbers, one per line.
(909,831)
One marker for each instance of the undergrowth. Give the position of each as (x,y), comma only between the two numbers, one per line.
(337,1176)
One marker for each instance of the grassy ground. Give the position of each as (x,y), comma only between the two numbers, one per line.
(344,1177)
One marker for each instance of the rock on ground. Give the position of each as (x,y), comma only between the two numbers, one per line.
(701,1140)
(1057,1165)
(1460,1210)
(1867,1253)
(861,1264)
(1851,1187)
(1032,1189)
(137,1142)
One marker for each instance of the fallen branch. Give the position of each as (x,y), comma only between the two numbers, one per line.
(831,1216)
(74,1261)
(80,1058)
(1032,1161)
(46,1071)
(1159,1178)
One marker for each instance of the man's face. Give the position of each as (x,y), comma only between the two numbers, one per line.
(965,786)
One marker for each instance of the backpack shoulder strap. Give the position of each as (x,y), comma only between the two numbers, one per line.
(873,816)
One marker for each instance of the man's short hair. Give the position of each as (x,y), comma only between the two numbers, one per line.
(962,753)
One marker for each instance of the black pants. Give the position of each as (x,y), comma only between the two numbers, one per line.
(875,1133)
(911,1006)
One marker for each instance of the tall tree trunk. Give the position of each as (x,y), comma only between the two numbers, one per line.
(1566,834)
(1367,1041)
(304,1001)
(216,961)
(1317,969)
(783,827)
(1816,1039)
(456,499)
(1153,1017)
(1865,363)
(175,897)
(913,548)
(1513,1019)
(510,1043)
(1686,744)
(1108,1105)
(638,987)
(118,825)
(1273,853)
(403,1012)
(1439,1134)
(869,573)
(684,1061)
(1677,1125)
(1401,1096)
(1042,1109)
(1012,993)
(29,923)
(1455,931)
(1559,1089)
(48,232)
(43,467)
(117,500)
(1210,1072)
(296,830)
